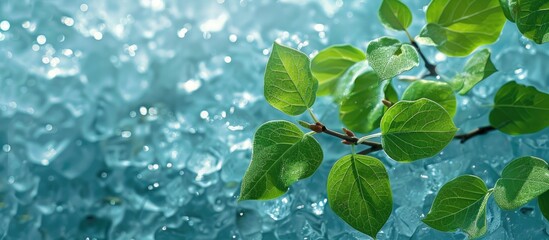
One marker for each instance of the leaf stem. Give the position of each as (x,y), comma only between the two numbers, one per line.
(430,67)
(408,35)
(479,131)
(311,133)
(313,116)
(349,138)
(360,140)
(408,78)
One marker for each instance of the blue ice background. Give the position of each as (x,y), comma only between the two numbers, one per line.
(133,119)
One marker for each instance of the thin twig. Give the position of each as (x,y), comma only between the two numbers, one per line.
(479,131)
(461,137)
(320,128)
(370,150)
(430,67)
(408,35)
(349,138)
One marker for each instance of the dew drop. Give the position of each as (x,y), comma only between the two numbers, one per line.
(6,148)
(41,39)
(5,25)
(233,38)
(84,7)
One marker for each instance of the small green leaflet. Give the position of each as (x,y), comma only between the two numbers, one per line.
(331,63)
(520,109)
(543,203)
(361,107)
(289,85)
(439,92)
(359,192)
(460,204)
(389,57)
(411,130)
(391,94)
(395,15)
(531,17)
(477,68)
(457,27)
(281,155)
(522,180)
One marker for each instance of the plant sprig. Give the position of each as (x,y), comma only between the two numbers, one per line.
(461,203)
(415,126)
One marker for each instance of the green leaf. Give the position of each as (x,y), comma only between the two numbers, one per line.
(331,63)
(281,155)
(531,17)
(522,180)
(345,82)
(457,27)
(543,203)
(520,109)
(395,15)
(418,129)
(361,107)
(460,204)
(391,94)
(439,92)
(389,57)
(359,192)
(506,7)
(289,85)
(477,68)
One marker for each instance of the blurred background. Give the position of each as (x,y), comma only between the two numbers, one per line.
(133,119)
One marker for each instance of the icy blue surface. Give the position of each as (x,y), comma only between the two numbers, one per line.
(133,119)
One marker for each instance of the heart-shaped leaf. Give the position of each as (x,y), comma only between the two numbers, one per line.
(289,85)
(359,192)
(458,27)
(522,180)
(520,109)
(395,15)
(460,204)
(412,130)
(389,57)
(477,68)
(439,92)
(281,155)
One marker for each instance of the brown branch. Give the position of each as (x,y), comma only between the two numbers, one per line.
(371,150)
(479,131)
(461,137)
(351,139)
(430,67)
(348,138)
